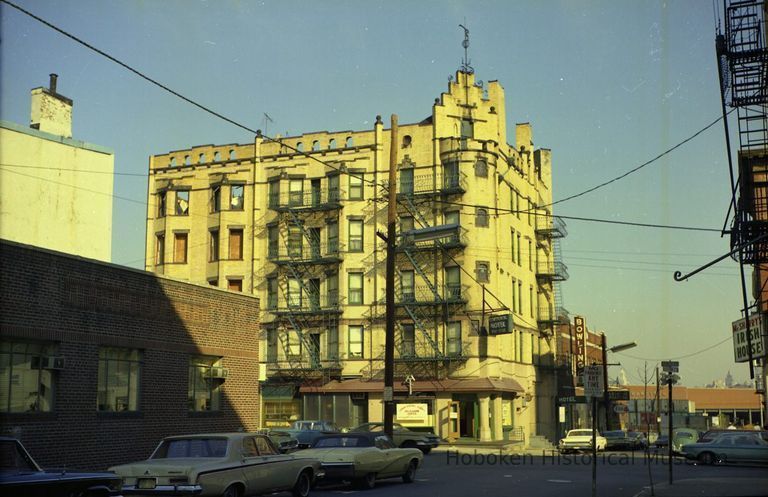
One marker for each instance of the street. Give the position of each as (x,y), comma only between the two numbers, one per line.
(448,473)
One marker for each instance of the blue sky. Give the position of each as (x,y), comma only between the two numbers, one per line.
(606,86)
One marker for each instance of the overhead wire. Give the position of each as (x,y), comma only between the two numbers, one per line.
(684,356)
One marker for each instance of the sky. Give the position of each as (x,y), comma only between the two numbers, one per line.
(606,86)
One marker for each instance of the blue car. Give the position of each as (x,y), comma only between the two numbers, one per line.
(20,475)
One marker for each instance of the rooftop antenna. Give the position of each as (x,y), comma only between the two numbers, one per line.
(267,120)
(465,64)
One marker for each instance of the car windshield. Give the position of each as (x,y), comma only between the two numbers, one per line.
(614,434)
(332,442)
(191,447)
(13,459)
(580,433)
(685,435)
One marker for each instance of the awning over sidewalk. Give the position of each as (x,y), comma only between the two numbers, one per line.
(453,385)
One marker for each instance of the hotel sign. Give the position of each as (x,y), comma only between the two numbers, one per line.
(580,330)
(756,341)
(499,325)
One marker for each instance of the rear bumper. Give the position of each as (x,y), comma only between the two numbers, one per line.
(175,490)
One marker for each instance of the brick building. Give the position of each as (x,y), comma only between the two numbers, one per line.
(98,362)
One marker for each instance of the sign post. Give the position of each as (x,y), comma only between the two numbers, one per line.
(671,368)
(593,387)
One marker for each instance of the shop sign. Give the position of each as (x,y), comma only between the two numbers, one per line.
(580,330)
(500,325)
(412,412)
(756,341)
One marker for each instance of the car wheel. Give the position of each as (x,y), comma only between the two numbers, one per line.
(410,473)
(408,444)
(231,491)
(302,486)
(425,450)
(367,482)
(706,458)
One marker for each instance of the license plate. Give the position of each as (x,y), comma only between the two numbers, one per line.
(146,483)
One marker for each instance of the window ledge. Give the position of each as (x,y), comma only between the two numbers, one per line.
(119,415)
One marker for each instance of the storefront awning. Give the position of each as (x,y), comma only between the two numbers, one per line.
(453,385)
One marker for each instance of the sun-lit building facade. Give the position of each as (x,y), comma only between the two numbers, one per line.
(294,221)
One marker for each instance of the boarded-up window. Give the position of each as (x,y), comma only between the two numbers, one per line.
(160,250)
(235,285)
(236,244)
(180,248)
(213,250)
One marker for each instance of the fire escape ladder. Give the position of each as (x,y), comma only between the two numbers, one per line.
(419,322)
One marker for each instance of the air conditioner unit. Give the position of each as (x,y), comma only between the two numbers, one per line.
(48,362)
(262,372)
(218,372)
(357,396)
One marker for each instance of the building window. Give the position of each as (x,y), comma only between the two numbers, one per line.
(355,288)
(530,255)
(483,272)
(450,175)
(407,141)
(182,202)
(26,376)
(315,146)
(236,244)
(201,159)
(519,256)
(235,284)
(271,293)
(293,344)
(355,186)
(271,345)
(453,282)
(213,251)
(232,154)
(215,198)
(481,168)
(481,217)
(407,286)
(187,160)
(119,371)
(294,242)
(520,297)
(274,193)
(332,144)
(514,296)
(514,253)
(332,342)
(180,248)
(161,197)
(355,235)
(406,181)
(273,241)
(159,249)
(294,293)
(332,289)
(213,282)
(349,142)
(333,237)
(408,344)
(530,300)
(333,188)
(355,341)
(453,338)
(296,192)
(204,384)
(236,196)
(299,146)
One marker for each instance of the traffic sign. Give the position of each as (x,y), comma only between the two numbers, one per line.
(618,394)
(593,381)
(670,366)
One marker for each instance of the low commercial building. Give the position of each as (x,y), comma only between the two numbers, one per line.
(98,362)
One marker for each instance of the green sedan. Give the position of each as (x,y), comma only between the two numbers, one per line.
(729,448)
(363,458)
(219,465)
(402,436)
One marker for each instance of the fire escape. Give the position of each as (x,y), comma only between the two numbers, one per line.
(743,58)
(550,271)
(303,244)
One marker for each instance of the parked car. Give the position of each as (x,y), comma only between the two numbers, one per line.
(714,433)
(283,440)
(661,442)
(637,440)
(306,431)
(363,458)
(21,475)
(221,465)
(403,437)
(576,440)
(616,439)
(681,437)
(729,448)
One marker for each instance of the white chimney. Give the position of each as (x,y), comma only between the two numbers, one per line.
(50,111)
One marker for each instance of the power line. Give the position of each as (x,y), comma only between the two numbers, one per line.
(678,357)
(89,171)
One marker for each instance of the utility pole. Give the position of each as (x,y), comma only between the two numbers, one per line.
(670,411)
(606,400)
(658,402)
(389,339)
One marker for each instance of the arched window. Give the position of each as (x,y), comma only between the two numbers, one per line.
(481,168)
(216,156)
(481,217)
(332,144)
(407,140)
(173,161)
(300,146)
(232,155)
(186,160)
(349,142)
(315,146)
(201,158)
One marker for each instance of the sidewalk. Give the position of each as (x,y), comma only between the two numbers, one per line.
(711,487)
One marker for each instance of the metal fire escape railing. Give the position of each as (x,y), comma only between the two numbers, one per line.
(306,310)
(549,231)
(743,58)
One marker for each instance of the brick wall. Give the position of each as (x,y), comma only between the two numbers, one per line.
(82,305)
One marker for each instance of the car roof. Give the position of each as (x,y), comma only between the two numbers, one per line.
(235,434)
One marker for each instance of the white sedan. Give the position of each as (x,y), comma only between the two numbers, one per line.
(581,440)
